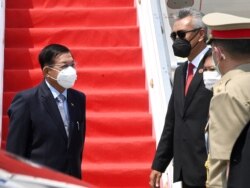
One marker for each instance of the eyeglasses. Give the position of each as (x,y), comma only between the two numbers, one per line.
(181,33)
(64,65)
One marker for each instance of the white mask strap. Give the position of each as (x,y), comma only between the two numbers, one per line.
(52,69)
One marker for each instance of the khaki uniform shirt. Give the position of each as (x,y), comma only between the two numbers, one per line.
(229,113)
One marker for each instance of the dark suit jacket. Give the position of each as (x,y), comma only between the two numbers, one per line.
(36,129)
(183,133)
(240,161)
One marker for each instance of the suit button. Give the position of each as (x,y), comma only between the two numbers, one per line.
(235,160)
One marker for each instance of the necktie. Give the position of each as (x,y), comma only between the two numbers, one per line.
(60,100)
(190,76)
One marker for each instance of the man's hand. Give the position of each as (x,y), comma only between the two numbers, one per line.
(154,179)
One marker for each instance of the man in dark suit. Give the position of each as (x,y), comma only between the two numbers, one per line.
(240,161)
(43,128)
(183,134)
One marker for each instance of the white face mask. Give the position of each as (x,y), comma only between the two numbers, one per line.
(66,77)
(210,78)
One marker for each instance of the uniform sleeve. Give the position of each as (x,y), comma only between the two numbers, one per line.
(217,174)
(228,117)
(19,134)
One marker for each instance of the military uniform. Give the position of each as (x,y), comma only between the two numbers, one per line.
(228,120)
(229,110)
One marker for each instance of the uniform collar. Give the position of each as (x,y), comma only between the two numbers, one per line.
(230,74)
(240,68)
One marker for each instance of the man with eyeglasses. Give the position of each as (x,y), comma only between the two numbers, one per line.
(48,122)
(183,136)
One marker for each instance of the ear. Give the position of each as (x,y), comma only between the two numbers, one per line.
(202,35)
(45,71)
(218,53)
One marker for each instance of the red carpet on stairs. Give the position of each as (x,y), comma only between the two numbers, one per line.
(105,40)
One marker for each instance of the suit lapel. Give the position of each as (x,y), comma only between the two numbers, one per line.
(72,112)
(179,86)
(193,87)
(182,85)
(52,109)
(195,83)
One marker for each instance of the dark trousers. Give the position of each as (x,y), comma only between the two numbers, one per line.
(184,185)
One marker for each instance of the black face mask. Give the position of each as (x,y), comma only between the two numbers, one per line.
(181,47)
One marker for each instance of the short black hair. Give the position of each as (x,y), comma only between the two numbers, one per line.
(238,47)
(49,52)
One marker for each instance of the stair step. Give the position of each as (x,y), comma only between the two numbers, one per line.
(119,124)
(85,57)
(118,102)
(91,78)
(76,37)
(124,149)
(67,17)
(68,3)
(117,175)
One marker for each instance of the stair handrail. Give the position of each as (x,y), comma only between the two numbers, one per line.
(2,29)
(157,57)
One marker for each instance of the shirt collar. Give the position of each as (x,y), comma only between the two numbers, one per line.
(54,92)
(196,61)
